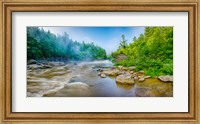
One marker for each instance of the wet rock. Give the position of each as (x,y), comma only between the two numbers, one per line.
(38,66)
(56,63)
(140,73)
(100,69)
(167,78)
(124,68)
(62,68)
(120,67)
(146,77)
(111,72)
(39,63)
(77,89)
(103,75)
(31,61)
(125,79)
(136,78)
(134,75)
(33,66)
(123,72)
(47,66)
(141,79)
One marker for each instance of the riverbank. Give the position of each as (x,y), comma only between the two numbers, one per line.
(95,78)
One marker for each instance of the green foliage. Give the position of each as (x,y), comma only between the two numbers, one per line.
(45,45)
(123,42)
(151,52)
(109,57)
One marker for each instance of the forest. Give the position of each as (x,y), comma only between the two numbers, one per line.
(151,52)
(44,45)
(59,66)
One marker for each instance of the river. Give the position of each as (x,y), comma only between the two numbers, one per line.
(81,79)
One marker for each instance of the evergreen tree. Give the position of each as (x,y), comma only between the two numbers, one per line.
(46,45)
(123,42)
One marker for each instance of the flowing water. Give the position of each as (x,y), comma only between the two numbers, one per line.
(81,79)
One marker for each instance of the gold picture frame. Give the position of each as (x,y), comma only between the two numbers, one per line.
(9,6)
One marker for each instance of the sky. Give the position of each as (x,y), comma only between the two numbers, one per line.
(105,37)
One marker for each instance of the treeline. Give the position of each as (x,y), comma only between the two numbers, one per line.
(151,52)
(45,45)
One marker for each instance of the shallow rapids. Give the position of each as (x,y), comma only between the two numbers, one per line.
(80,79)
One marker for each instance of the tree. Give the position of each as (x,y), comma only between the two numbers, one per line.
(46,45)
(151,52)
(123,42)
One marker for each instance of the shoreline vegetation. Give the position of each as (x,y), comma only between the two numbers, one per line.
(151,52)
(148,57)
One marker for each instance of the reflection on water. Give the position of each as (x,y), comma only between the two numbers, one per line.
(62,81)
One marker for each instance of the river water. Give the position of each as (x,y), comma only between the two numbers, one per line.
(81,80)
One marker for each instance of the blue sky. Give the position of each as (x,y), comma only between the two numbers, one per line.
(105,37)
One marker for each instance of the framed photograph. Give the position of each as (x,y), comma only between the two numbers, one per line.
(109,61)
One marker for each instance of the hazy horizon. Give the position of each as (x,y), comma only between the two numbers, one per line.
(105,37)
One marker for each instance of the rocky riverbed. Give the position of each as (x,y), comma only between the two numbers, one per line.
(93,79)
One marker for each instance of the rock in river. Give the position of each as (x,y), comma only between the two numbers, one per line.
(125,79)
(167,78)
(146,77)
(31,61)
(114,72)
(73,89)
(142,78)
(33,66)
(103,75)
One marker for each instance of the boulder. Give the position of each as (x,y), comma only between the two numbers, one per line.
(125,79)
(147,77)
(120,67)
(114,72)
(166,78)
(44,66)
(124,68)
(141,79)
(31,61)
(140,73)
(33,66)
(103,75)
(136,78)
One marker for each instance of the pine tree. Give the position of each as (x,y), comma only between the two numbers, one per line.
(123,42)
